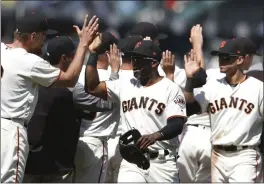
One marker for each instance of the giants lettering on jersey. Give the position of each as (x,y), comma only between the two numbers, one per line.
(144,102)
(233,102)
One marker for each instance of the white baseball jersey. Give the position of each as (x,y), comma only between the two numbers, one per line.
(104,124)
(236,113)
(147,108)
(179,75)
(125,76)
(203,119)
(23,73)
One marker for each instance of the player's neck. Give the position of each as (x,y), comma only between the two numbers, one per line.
(236,78)
(126,66)
(18,44)
(154,79)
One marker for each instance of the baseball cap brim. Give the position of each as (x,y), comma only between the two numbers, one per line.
(214,53)
(217,53)
(161,36)
(135,54)
(50,32)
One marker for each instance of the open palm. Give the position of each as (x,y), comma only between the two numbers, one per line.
(191,64)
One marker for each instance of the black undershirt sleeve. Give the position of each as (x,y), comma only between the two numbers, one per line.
(173,128)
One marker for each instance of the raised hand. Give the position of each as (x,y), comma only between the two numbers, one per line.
(114,58)
(191,64)
(168,62)
(96,42)
(88,32)
(196,36)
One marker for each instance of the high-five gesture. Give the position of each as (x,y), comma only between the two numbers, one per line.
(168,64)
(196,36)
(96,42)
(114,58)
(88,32)
(196,39)
(191,64)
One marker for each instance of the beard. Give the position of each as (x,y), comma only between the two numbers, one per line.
(142,75)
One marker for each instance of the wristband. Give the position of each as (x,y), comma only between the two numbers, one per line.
(199,78)
(189,85)
(92,60)
(113,76)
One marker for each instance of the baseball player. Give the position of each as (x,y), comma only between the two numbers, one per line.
(152,104)
(23,73)
(125,74)
(97,126)
(147,29)
(54,126)
(235,105)
(195,154)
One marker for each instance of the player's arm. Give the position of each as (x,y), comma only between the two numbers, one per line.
(196,39)
(46,75)
(85,101)
(196,76)
(92,83)
(168,64)
(86,36)
(176,117)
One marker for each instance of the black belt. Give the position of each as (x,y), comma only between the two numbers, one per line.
(25,125)
(229,148)
(155,154)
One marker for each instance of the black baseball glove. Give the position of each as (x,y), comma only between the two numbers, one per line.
(130,151)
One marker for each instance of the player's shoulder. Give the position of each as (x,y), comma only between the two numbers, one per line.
(170,85)
(254,82)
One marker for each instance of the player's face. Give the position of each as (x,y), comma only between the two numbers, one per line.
(226,63)
(231,64)
(142,69)
(36,43)
(66,61)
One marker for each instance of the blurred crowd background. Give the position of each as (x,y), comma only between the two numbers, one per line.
(219,19)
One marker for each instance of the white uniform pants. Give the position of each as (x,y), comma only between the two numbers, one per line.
(237,166)
(114,160)
(14,151)
(91,160)
(195,155)
(160,170)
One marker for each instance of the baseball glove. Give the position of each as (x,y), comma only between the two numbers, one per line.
(130,151)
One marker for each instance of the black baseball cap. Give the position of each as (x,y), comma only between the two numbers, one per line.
(58,46)
(34,23)
(128,43)
(146,49)
(145,29)
(236,47)
(107,39)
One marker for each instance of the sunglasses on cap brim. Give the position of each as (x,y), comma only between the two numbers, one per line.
(134,58)
(228,56)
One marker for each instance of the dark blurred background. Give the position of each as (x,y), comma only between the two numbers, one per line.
(219,19)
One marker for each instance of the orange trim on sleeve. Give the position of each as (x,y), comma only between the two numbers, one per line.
(105,91)
(55,80)
(177,116)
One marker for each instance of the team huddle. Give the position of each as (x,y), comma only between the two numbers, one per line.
(134,116)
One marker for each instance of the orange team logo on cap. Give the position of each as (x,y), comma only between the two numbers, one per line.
(223,44)
(137,45)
